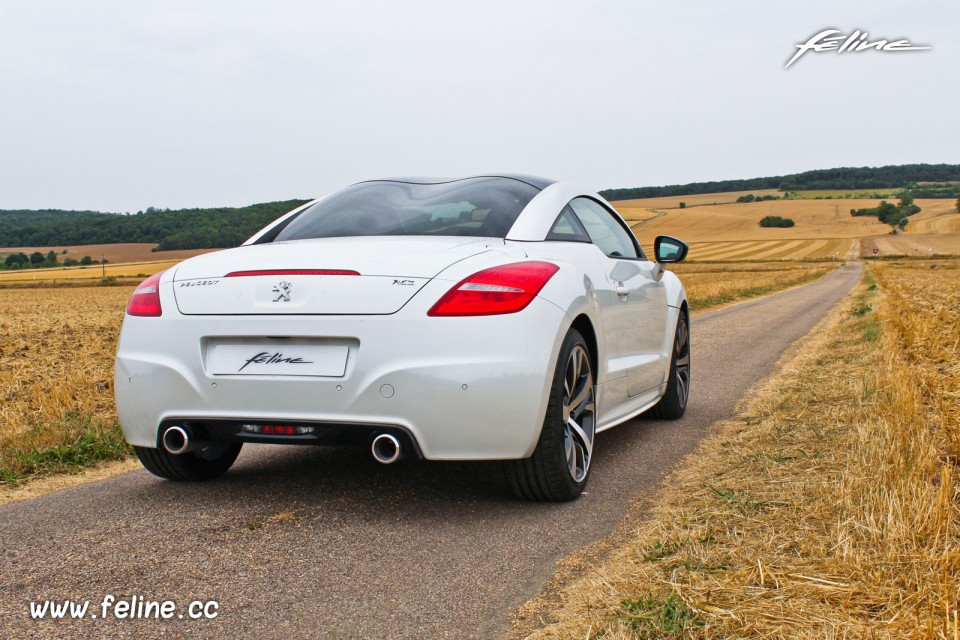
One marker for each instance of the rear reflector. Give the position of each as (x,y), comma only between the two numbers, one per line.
(278,429)
(145,300)
(291,272)
(505,289)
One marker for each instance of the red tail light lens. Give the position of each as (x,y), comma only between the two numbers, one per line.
(505,289)
(145,300)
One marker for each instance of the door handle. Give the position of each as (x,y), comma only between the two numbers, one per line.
(622,291)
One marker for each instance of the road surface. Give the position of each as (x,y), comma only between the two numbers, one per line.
(326,543)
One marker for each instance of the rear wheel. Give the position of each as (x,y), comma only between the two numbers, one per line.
(673,404)
(206,464)
(560,465)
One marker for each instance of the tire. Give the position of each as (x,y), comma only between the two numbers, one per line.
(205,464)
(673,404)
(559,468)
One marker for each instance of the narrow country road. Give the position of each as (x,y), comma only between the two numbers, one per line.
(318,543)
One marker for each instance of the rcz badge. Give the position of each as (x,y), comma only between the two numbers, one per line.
(282,289)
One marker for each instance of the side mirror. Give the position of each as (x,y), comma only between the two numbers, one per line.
(669,249)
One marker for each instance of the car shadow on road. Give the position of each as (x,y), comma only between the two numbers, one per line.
(274,476)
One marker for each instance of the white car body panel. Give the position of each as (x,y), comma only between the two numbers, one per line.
(464,388)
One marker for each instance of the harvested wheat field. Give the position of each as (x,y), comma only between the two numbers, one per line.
(824,229)
(834,248)
(93,272)
(120,252)
(710,285)
(827,509)
(695,200)
(912,244)
(56,378)
(815,219)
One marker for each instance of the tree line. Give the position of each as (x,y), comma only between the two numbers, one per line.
(38,260)
(841,178)
(209,228)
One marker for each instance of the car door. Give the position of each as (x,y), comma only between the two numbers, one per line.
(639,311)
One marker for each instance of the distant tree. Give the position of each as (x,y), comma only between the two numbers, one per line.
(36,257)
(15,259)
(776,221)
(70,262)
(52,257)
(86,260)
(747,198)
(683,205)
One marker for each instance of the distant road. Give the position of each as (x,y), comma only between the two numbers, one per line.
(303,542)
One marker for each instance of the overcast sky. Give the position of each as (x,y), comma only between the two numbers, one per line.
(117,105)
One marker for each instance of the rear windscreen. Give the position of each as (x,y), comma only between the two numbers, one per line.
(480,207)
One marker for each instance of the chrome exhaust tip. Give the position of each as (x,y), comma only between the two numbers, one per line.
(385,449)
(177,440)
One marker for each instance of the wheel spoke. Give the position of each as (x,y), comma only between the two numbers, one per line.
(577,405)
(580,438)
(683,361)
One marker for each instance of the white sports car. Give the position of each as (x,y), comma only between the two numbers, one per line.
(495,317)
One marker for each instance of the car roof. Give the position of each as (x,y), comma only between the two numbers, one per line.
(534,181)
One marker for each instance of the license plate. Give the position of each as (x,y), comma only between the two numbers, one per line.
(279,359)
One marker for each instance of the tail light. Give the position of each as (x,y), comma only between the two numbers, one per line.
(145,300)
(505,289)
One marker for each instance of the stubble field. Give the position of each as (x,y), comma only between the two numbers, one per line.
(56,378)
(719,229)
(829,508)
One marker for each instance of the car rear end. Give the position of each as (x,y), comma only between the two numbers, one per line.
(338,341)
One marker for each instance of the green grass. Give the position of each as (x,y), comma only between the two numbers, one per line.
(650,618)
(85,441)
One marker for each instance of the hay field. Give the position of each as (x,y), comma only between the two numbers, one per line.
(56,378)
(828,509)
(121,252)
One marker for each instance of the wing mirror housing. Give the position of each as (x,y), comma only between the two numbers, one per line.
(669,249)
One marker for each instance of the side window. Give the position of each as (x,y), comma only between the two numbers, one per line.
(567,228)
(604,230)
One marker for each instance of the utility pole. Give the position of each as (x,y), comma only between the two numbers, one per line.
(103,265)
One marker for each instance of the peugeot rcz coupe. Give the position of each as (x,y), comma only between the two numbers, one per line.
(496,317)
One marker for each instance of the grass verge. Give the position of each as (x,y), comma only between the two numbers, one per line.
(827,508)
(70,444)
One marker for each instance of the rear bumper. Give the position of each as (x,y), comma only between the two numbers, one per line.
(462,388)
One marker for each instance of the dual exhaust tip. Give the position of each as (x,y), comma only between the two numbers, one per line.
(385,448)
(178,440)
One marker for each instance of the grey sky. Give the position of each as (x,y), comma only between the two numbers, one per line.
(119,105)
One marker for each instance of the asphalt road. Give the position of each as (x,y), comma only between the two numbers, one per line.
(326,543)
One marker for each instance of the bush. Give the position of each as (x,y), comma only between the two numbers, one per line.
(776,221)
